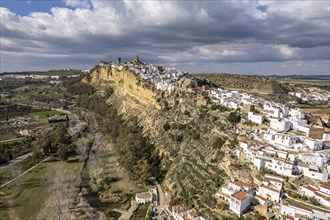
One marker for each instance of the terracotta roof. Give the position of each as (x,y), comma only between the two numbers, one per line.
(300,205)
(241,184)
(311,188)
(262,198)
(240,195)
(181,211)
(186,218)
(193,213)
(322,195)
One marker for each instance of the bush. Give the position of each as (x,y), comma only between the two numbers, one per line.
(314,201)
(223,206)
(166,126)
(234,117)
(178,138)
(218,142)
(293,187)
(186,112)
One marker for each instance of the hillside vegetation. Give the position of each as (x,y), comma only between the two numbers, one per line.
(255,84)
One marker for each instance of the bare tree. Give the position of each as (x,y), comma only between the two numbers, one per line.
(62,192)
(13,174)
(81,147)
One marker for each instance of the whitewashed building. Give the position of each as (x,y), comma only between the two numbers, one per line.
(280,125)
(313,144)
(255,118)
(143,198)
(312,171)
(286,140)
(299,210)
(240,202)
(269,192)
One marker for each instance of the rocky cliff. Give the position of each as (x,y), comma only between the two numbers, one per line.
(183,133)
(125,83)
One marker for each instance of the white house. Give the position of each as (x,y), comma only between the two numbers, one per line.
(267,191)
(233,105)
(240,202)
(307,190)
(311,191)
(312,171)
(244,146)
(280,125)
(313,144)
(143,198)
(297,113)
(261,200)
(274,180)
(312,159)
(237,185)
(275,111)
(260,162)
(269,137)
(234,186)
(285,140)
(298,210)
(280,166)
(326,136)
(180,213)
(255,118)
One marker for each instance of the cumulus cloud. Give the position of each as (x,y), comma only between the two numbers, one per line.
(77,3)
(171,32)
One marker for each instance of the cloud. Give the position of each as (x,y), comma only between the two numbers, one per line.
(171,32)
(77,3)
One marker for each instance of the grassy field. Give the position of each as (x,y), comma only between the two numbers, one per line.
(141,212)
(323,112)
(46,113)
(7,136)
(306,82)
(23,199)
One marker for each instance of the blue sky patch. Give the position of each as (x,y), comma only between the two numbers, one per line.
(25,7)
(262,8)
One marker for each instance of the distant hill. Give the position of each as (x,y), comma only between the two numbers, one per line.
(257,84)
(61,72)
(304,77)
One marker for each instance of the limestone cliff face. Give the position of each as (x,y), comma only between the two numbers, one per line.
(125,82)
(133,97)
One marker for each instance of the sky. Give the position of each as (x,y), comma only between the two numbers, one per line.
(258,37)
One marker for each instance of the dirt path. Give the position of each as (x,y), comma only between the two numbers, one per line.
(10,140)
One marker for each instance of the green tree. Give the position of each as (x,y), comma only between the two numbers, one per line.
(234,117)
(166,126)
